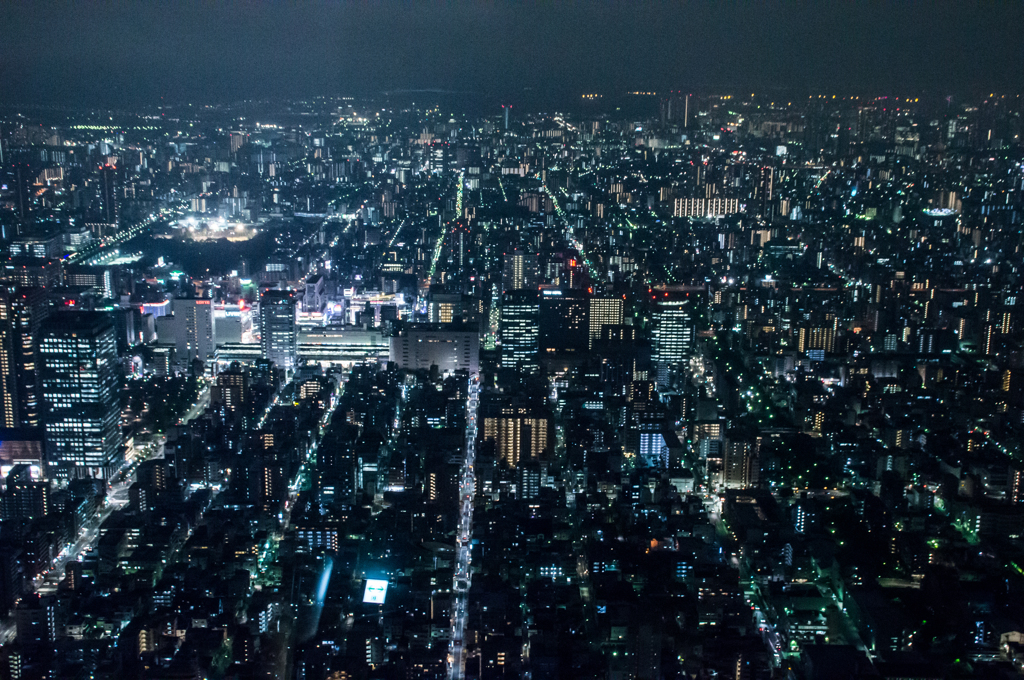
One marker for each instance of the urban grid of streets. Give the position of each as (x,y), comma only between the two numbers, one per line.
(800,386)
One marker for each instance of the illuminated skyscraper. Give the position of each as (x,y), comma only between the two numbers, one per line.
(80,386)
(109,208)
(25,497)
(604,311)
(520,331)
(741,464)
(190,328)
(564,321)
(818,337)
(8,388)
(1016,485)
(230,391)
(278,329)
(673,333)
(29,308)
(519,270)
(520,434)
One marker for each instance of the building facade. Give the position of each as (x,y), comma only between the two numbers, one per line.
(454,347)
(80,386)
(278,328)
(519,327)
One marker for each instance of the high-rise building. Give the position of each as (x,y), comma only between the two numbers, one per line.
(519,270)
(564,321)
(230,391)
(29,309)
(237,139)
(990,335)
(100,278)
(109,209)
(444,307)
(806,514)
(189,328)
(519,327)
(80,386)
(530,475)
(706,207)
(819,336)
(741,465)
(25,498)
(9,416)
(278,328)
(765,190)
(33,271)
(652,450)
(604,311)
(35,621)
(439,156)
(22,186)
(46,245)
(519,433)
(673,332)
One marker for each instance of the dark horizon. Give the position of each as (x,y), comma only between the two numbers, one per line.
(110,55)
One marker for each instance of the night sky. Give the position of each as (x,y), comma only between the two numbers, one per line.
(127,53)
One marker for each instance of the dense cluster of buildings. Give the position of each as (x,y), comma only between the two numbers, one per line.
(710,386)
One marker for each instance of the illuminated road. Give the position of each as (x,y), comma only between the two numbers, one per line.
(268,553)
(569,231)
(462,576)
(106,244)
(199,407)
(398,230)
(440,239)
(88,535)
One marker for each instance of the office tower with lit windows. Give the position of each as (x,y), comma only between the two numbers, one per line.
(519,330)
(80,389)
(673,319)
(519,270)
(765,190)
(278,328)
(29,308)
(817,338)
(444,307)
(519,433)
(652,450)
(237,139)
(9,416)
(564,321)
(604,311)
(100,278)
(33,272)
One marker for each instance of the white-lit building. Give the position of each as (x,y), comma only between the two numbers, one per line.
(451,348)
(189,328)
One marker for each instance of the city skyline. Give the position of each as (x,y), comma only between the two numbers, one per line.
(466,341)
